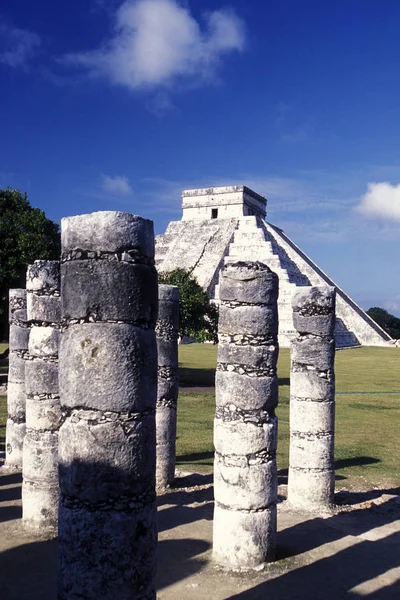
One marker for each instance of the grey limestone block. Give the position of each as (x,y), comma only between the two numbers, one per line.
(312,399)
(246,393)
(319,352)
(313,384)
(41,458)
(16,369)
(108,366)
(106,290)
(264,357)
(313,490)
(309,417)
(40,504)
(108,232)
(167,352)
(249,283)
(167,329)
(106,554)
(92,445)
(245,427)
(44,308)
(16,399)
(15,433)
(43,414)
(254,484)
(240,438)
(44,342)
(40,488)
(41,377)
(19,338)
(108,387)
(249,320)
(244,540)
(312,451)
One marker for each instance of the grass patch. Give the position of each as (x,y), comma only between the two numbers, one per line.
(366,417)
(3,363)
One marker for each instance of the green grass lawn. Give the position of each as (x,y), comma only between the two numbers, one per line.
(367,417)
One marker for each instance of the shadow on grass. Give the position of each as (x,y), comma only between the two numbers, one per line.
(356,461)
(190,458)
(196,377)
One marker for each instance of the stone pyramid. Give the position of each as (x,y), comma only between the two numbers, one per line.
(227,224)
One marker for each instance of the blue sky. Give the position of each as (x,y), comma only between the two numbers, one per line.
(119,105)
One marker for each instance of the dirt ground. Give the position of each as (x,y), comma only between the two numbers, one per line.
(353,552)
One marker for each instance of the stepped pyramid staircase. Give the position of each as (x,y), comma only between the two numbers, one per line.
(202,243)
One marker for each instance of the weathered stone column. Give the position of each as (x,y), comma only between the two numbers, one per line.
(245,431)
(167,329)
(16,397)
(108,387)
(40,487)
(312,399)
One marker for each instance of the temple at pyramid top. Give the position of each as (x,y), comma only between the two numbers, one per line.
(222,203)
(221,225)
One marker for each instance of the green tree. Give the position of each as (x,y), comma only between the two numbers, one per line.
(26,234)
(198,317)
(388,322)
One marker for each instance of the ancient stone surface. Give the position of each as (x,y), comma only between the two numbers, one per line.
(312,399)
(245,430)
(167,330)
(108,387)
(40,489)
(226,224)
(16,398)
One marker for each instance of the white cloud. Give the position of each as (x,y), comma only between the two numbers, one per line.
(116,186)
(17,46)
(157,42)
(382,200)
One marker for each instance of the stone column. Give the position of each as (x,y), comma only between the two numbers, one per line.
(108,388)
(312,399)
(167,330)
(16,397)
(245,431)
(40,487)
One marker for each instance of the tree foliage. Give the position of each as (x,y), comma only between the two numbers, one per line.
(26,234)
(388,322)
(198,317)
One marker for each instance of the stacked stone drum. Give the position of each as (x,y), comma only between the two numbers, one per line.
(245,432)
(40,489)
(312,399)
(16,396)
(108,387)
(167,329)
